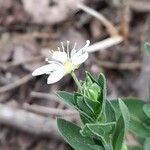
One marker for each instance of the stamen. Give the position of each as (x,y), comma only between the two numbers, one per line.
(58,49)
(68,49)
(62,45)
(51,51)
(85,47)
(73,51)
(74,47)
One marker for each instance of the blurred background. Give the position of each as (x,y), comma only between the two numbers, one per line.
(29,28)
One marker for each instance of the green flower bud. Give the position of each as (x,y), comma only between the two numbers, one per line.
(91,89)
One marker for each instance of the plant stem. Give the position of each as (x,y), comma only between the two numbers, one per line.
(76,80)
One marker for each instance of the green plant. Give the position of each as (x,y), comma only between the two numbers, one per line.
(102,128)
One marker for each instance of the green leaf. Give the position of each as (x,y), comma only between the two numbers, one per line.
(138,128)
(66,97)
(118,136)
(96,147)
(147,48)
(147,144)
(139,122)
(102,83)
(71,134)
(85,119)
(125,113)
(99,131)
(110,112)
(102,100)
(88,75)
(94,106)
(89,107)
(135,148)
(82,106)
(146,109)
(71,99)
(121,126)
(135,107)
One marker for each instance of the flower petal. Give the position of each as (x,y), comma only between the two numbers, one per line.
(56,76)
(83,49)
(46,69)
(79,59)
(59,56)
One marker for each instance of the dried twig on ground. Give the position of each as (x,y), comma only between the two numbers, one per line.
(15,84)
(110,27)
(44,96)
(50,111)
(50,97)
(115,37)
(27,121)
(138,5)
(14,64)
(120,66)
(125,20)
(102,45)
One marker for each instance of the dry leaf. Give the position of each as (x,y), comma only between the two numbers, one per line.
(50,11)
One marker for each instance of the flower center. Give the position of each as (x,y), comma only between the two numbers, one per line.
(68,65)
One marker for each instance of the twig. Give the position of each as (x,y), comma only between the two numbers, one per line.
(125,19)
(44,96)
(15,84)
(14,64)
(120,66)
(110,27)
(49,111)
(27,121)
(136,5)
(50,97)
(102,45)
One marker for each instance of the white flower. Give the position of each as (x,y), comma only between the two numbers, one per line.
(62,62)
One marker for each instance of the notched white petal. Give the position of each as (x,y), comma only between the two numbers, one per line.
(55,76)
(59,56)
(79,59)
(46,69)
(83,49)
(85,46)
